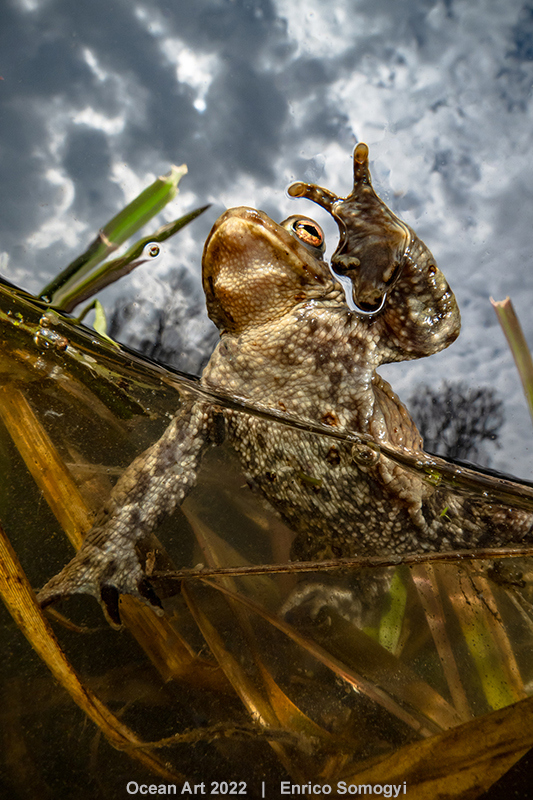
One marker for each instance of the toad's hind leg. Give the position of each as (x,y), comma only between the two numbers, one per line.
(157,481)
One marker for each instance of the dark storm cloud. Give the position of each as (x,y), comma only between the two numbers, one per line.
(259,74)
(269,91)
(44,71)
(522,48)
(246,124)
(87,160)
(239,33)
(243,101)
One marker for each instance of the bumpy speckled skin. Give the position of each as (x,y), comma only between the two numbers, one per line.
(290,342)
(315,359)
(153,485)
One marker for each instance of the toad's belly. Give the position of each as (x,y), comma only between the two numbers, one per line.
(340,509)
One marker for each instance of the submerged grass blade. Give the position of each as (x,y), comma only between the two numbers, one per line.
(390,625)
(417,721)
(45,464)
(22,604)
(168,651)
(428,591)
(486,638)
(218,552)
(254,699)
(360,652)
(291,717)
(121,227)
(517,342)
(256,703)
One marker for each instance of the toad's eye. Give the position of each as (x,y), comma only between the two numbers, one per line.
(307,232)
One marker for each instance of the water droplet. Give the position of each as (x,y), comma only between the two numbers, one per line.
(19,319)
(152,249)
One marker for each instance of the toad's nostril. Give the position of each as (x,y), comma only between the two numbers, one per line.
(343,264)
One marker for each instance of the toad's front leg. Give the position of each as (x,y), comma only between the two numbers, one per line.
(153,485)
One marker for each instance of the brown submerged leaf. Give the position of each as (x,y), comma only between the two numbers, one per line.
(22,604)
(461,763)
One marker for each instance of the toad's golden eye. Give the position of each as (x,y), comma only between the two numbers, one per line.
(308,232)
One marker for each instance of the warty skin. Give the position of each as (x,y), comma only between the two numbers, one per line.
(290,342)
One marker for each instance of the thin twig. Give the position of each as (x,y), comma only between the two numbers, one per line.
(361,562)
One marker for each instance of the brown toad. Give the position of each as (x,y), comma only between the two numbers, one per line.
(290,342)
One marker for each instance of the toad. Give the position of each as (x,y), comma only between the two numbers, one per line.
(290,342)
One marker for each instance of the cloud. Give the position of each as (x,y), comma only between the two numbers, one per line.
(99,98)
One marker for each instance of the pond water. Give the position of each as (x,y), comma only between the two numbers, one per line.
(312,675)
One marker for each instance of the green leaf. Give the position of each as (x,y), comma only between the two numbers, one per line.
(121,227)
(110,271)
(390,626)
(100,320)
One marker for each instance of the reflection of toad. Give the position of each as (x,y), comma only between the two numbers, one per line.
(290,342)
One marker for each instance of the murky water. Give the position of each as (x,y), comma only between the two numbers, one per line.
(279,676)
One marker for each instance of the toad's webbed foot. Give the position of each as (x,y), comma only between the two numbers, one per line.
(108,564)
(396,283)
(105,567)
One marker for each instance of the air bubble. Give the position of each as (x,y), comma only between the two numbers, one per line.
(46,338)
(49,319)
